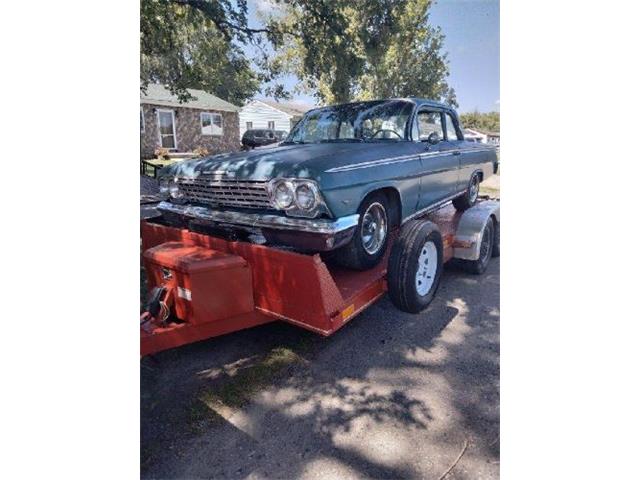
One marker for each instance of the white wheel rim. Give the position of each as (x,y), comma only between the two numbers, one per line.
(427,267)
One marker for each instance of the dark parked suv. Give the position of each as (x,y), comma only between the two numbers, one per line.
(260,137)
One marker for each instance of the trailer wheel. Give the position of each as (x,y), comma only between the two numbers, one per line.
(415,266)
(478,267)
(496,239)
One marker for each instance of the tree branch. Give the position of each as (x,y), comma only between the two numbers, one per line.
(217,14)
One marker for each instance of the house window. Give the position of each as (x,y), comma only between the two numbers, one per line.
(141,121)
(211,123)
(167,127)
(271,125)
(249,125)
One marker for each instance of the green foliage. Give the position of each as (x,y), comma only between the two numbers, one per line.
(339,49)
(189,44)
(487,122)
(362,49)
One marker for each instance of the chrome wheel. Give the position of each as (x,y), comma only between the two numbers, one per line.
(374,228)
(427,268)
(474,188)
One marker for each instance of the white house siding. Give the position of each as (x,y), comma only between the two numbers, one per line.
(260,114)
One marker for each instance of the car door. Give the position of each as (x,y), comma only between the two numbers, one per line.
(471,156)
(456,144)
(438,156)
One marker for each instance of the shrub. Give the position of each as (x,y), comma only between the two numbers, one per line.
(162,153)
(201,151)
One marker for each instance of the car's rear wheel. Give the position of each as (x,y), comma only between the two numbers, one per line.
(369,242)
(470,197)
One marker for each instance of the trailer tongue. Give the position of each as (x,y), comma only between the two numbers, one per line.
(204,286)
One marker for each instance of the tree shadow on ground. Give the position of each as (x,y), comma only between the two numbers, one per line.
(372,383)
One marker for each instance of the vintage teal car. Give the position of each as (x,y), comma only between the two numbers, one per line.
(344,177)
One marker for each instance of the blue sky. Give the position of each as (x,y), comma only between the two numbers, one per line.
(472,41)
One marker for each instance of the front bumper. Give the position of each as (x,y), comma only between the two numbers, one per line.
(304,233)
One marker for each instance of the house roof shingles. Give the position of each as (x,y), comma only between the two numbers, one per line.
(159,95)
(287,107)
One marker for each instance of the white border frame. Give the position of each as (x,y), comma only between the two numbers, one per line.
(173,121)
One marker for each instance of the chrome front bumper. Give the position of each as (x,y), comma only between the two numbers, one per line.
(306,233)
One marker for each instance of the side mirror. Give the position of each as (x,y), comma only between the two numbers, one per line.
(433,138)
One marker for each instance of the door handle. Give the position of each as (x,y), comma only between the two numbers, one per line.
(456,152)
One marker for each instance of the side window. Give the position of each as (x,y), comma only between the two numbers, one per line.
(428,123)
(452,135)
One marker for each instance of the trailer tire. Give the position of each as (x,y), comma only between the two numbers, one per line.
(478,267)
(415,266)
(495,252)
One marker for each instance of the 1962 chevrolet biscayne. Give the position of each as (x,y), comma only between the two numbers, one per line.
(344,176)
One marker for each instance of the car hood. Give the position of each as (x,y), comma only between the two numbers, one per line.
(302,161)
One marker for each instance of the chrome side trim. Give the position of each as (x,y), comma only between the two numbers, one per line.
(374,163)
(433,206)
(256,220)
(403,158)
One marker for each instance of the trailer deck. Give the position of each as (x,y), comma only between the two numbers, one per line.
(282,285)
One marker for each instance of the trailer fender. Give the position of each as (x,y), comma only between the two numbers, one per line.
(466,245)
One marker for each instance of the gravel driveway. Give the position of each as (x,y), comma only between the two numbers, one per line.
(391,395)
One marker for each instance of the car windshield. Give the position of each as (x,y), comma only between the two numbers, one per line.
(362,121)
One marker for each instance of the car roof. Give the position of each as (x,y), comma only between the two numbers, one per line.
(430,103)
(260,130)
(418,101)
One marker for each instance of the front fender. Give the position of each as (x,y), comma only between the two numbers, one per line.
(345,200)
(344,191)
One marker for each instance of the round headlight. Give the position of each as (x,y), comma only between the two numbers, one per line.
(283,195)
(305,198)
(174,190)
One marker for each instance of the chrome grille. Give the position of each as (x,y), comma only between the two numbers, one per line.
(230,193)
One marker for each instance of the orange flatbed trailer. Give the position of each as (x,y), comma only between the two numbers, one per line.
(215,286)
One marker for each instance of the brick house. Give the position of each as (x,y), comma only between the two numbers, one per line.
(206,121)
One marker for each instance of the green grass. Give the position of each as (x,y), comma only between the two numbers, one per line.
(238,389)
(492,192)
(215,403)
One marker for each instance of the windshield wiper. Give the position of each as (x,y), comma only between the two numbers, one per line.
(293,142)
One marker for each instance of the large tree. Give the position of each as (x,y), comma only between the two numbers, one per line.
(196,44)
(360,49)
(488,122)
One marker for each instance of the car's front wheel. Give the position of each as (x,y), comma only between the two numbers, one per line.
(369,242)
